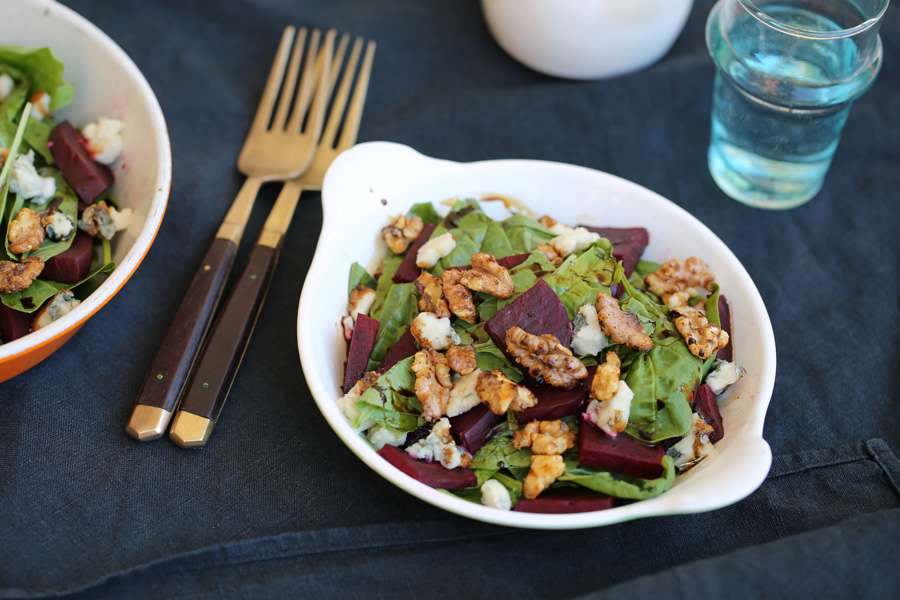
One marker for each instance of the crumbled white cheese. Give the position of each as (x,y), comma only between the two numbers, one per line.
(495,495)
(588,339)
(693,447)
(434,250)
(40,106)
(434,332)
(58,226)
(463,396)
(559,228)
(62,304)
(724,374)
(575,240)
(347,404)
(380,436)
(363,303)
(120,218)
(7,84)
(438,445)
(104,139)
(612,415)
(26,182)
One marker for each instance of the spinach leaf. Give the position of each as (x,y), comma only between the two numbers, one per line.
(11,156)
(490,358)
(525,234)
(426,212)
(385,283)
(712,314)
(499,453)
(619,486)
(476,232)
(10,110)
(359,276)
(396,313)
(645,267)
(580,277)
(44,70)
(389,403)
(37,135)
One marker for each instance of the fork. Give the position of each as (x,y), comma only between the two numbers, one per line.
(280,145)
(230,335)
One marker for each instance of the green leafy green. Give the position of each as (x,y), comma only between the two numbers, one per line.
(385,283)
(10,110)
(580,277)
(389,402)
(359,276)
(37,135)
(712,315)
(476,232)
(490,358)
(525,234)
(499,453)
(43,69)
(426,212)
(5,174)
(645,267)
(397,312)
(617,485)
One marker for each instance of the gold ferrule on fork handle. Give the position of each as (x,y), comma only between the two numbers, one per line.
(190,430)
(148,422)
(232,227)
(270,238)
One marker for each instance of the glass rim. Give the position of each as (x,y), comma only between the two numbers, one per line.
(766,19)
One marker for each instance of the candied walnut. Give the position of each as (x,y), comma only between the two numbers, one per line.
(692,277)
(547,221)
(488,276)
(545,357)
(550,252)
(431,295)
(25,232)
(459,298)
(400,232)
(702,337)
(545,437)
(621,327)
(18,276)
(606,379)
(462,359)
(501,393)
(433,383)
(544,471)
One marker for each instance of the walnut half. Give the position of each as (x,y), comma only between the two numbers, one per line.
(18,276)
(702,337)
(25,232)
(433,383)
(544,471)
(545,358)
(689,278)
(462,359)
(606,379)
(501,393)
(431,295)
(459,298)
(621,327)
(545,437)
(488,276)
(400,232)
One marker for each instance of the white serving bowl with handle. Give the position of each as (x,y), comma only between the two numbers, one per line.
(368,183)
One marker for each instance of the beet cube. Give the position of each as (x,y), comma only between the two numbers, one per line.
(565,501)
(620,454)
(404,347)
(473,428)
(361,343)
(13,324)
(538,311)
(726,353)
(408,271)
(706,405)
(87,177)
(511,261)
(429,473)
(555,403)
(72,265)
(628,243)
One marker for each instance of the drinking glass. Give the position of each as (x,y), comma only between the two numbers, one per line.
(787,74)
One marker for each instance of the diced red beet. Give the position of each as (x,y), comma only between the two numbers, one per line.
(473,428)
(361,343)
(620,454)
(13,324)
(628,243)
(566,501)
(726,353)
(429,473)
(511,261)
(408,271)
(555,403)
(72,265)
(706,405)
(404,347)
(538,310)
(87,177)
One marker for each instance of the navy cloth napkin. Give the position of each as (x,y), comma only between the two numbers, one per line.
(277,505)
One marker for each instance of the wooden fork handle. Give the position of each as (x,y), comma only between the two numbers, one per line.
(170,368)
(229,337)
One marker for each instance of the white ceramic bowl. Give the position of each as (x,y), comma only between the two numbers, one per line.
(107,83)
(362,177)
(586,39)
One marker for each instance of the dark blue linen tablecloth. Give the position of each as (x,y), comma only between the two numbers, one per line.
(275,505)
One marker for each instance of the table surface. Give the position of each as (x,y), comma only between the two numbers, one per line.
(275,503)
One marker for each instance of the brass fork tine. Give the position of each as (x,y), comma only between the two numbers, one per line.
(290,80)
(340,99)
(273,83)
(312,74)
(354,113)
(323,88)
(338,60)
